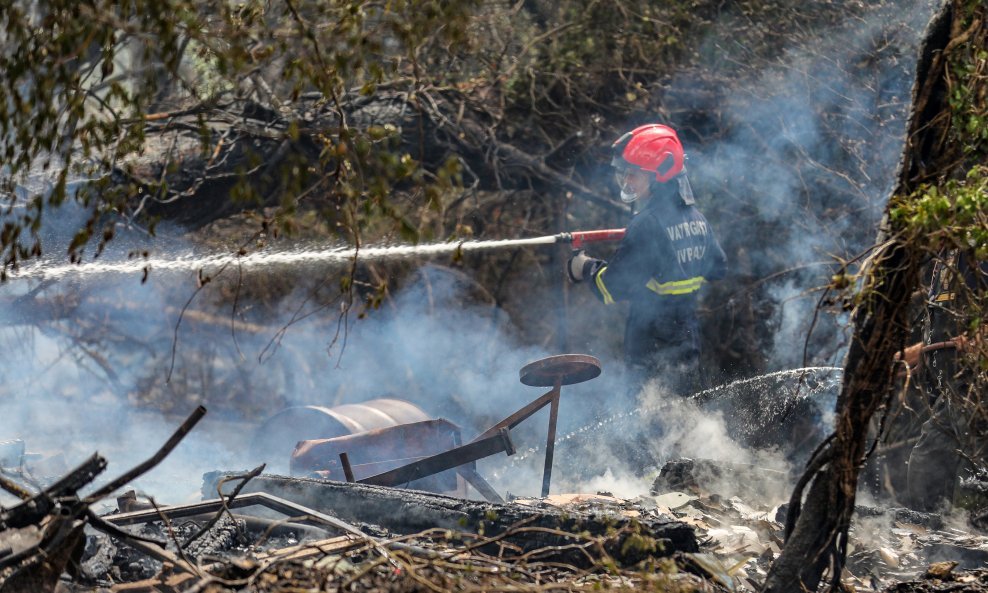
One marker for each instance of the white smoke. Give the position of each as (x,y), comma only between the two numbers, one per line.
(68,397)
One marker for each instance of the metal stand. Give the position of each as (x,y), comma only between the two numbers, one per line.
(555,371)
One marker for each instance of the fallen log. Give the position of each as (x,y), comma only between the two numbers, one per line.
(525,528)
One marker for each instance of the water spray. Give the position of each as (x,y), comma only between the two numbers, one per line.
(778,392)
(259,259)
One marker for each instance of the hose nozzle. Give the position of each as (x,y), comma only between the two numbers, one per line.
(579,239)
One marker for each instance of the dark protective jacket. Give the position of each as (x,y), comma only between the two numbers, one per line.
(957,279)
(668,252)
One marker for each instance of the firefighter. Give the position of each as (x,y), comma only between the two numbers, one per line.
(953,436)
(668,252)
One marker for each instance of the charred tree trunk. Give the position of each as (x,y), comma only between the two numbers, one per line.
(817,527)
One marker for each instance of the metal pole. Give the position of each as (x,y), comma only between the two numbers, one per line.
(347,469)
(550,443)
(558,258)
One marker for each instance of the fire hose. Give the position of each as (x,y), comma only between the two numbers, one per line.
(956,344)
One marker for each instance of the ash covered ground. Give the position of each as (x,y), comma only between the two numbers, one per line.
(705,512)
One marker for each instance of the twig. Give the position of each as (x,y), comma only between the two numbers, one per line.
(142,546)
(171,531)
(163,452)
(112,530)
(511,530)
(216,517)
(15,489)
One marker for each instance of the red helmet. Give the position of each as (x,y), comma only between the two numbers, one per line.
(652,147)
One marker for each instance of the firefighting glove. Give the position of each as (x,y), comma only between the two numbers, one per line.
(578,265)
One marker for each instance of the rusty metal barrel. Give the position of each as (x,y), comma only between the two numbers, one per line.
(275,439)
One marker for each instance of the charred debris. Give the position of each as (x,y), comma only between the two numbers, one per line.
(346,519)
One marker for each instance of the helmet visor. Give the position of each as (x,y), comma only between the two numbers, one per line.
(634,183)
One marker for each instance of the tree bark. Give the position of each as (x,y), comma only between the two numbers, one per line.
(816,529)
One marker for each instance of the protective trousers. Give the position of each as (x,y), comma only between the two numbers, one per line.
(936,462)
